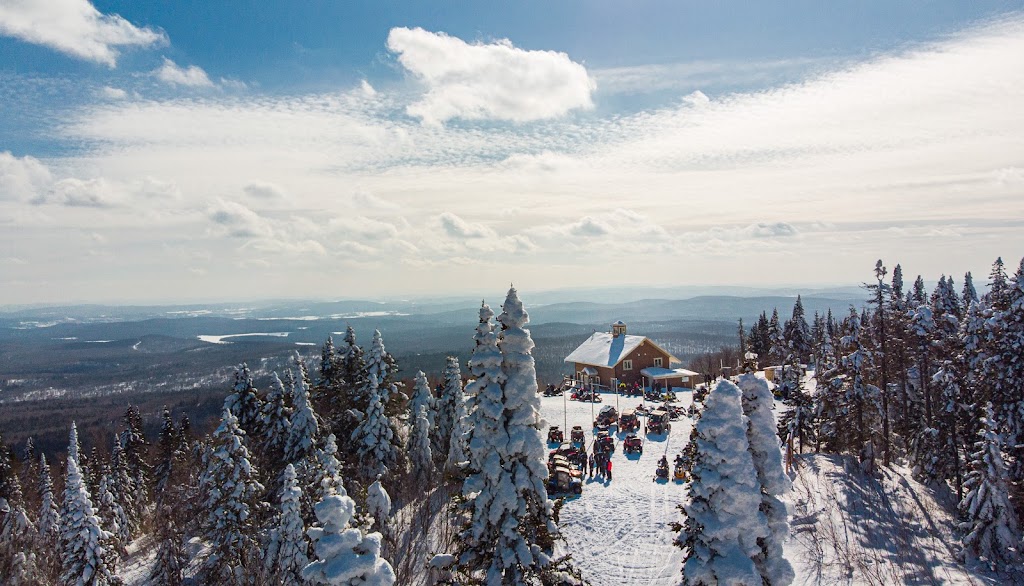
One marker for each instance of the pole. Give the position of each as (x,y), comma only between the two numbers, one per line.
(565,413)
(591,388)
(615,382)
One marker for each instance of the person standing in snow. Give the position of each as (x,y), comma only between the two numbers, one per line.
(591,465)
(609,469)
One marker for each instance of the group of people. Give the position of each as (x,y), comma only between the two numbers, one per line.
(601,462)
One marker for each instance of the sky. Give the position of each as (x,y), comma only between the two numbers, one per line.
(158,152)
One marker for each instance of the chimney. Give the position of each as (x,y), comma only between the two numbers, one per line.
(618,329)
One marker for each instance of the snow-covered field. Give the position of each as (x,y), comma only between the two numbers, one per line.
(618,531)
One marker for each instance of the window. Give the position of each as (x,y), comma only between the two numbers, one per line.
(657,362)
(627,365)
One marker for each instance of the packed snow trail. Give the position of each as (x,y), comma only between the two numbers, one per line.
(618,531)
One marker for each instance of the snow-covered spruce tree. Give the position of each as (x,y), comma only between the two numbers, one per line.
(764,449)
(1007,368)
(859,394)
(285,555)
(420,457)
(136,455)
(328,364)
(122,486)
(989,524)
(171,556)
(113,519)
(30,474)
(18,538)
(450,409)
(48,522)
(327,478)
(422,396)
(375,438)
(797,334)
(485,388)
(724,528)
(969,294)
(303,427)
(232,489)
(345,556)
(275,420)
(380,363)
(87,558)
(378,505)
(511,531)
(244,402)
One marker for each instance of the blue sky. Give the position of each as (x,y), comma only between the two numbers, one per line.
(216,150)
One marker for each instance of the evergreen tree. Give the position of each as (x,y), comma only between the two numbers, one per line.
(510,532)
(969,295)
(327,479)
(989,523)
(1006,368)
(351,358)
(6,470)
(797,334)
(420,455)
(18,538)
(380,363)
(48,523)
(275,420)
(123,487)
(171,556)
(286,553)
(378,505)
(724,529)
(881,294)
(764,449)
(231,488)
(997,286)
(112,517)
(422,397)
(303,428)
(136,455)
(87,558)
(30,473)
(329,371)
(776,341)
(452,419)
(346,556)
(375,438)
(244,402)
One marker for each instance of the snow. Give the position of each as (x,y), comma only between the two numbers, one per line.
(618,532)
(220,339)
(601,349)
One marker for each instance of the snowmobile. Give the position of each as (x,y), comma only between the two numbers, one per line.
(680,472)
(661,473)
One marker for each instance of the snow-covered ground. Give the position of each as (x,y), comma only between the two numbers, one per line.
(618,532)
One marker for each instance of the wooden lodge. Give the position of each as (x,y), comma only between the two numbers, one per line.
(607,359)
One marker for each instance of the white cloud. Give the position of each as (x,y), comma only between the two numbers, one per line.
(261,190)
(113,93)
(495,81)
(772,230)
(238,221)
(22,178)
(588,227)
(74,27)
(367,200)
(191,76)
(456,227)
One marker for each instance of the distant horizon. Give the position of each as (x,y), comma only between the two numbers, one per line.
(586,295)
